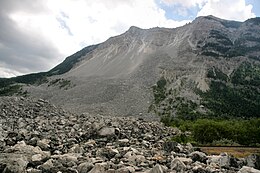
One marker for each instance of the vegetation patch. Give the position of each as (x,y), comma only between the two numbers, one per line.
(222,132)
(61,83)
(14,89)
(231,107)
(247,74)
(239,97)
(159,90)
(216,74)
(70,61)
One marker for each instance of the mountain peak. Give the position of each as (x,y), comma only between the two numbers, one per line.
(209,17)
(134,30)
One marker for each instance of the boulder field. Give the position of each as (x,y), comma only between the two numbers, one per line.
(38,137)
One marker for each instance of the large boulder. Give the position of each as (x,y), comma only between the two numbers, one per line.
(107,132)
(98,168)
(171,146)
(14,164)
(177,165)
(85,167)
(47,166)
(17,157)
(157,169)
(253,161)
(127,169)
(246,169)
(221,161)
(107,152)
(198,156)
(28,151)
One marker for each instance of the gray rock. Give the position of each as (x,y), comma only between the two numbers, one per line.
(246,169)
(76,149)
(157,169)
(186,161)
(32,170)
(2,166)
(171,146)
(253,161)
(47,165)
(44,144)
(91,143)
(188,148)
(107,132)
(98,168)
(136,159)
(27,150)
(111,171)
(68,160)
(107,152)
(127,169)
(178,165)
(85,167)
(198,156)
(128,154)
(199,169)
(222,161)
(16,165)
(37,159)
(123,142)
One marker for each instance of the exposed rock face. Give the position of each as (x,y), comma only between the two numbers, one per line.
(45,138)
(116,77)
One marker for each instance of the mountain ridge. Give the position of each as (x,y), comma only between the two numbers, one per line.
(122,75)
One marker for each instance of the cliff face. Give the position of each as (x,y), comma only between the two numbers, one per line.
(146,70)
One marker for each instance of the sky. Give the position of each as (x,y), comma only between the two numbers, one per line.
(36,35)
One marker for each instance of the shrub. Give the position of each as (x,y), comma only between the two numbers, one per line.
(221,132)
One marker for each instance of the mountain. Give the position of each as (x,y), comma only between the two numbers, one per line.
(209,67)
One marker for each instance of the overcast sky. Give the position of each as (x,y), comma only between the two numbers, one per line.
(36,35)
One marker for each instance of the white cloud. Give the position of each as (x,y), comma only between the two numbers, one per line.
(6,73)
(70,25)
(66,26)
(185,3)
(91,22)
(226,9)
(231,9)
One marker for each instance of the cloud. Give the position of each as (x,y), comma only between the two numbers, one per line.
(185,3)
(23,50)
(7,73)
(37,36)
(231,9)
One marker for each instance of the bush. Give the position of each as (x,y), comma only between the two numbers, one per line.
(221,132)
(183,139)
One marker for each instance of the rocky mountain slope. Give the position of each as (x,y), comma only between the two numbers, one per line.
(210,66)
(38,137)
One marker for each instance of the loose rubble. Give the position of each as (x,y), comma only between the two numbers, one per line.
(37,137)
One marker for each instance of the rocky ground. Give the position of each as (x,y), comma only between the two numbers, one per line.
(37,137)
